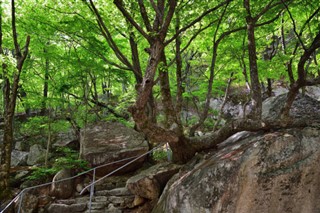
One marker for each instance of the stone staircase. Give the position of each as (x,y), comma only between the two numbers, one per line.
(110,196)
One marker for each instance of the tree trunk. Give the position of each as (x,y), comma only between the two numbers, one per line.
(10,98)
(45,85)
(180,89)
(182,150)
(255,83)
(171,121)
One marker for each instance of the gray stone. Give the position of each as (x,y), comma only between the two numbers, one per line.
(62,189)
(19,146)
(115,192)
(36,154)
(107,142)
(84,199)
(67,201)
(100,199)
(19,158)
(96,205)
(314,92)
(21,174)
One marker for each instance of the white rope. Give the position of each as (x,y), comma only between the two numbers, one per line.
(121,167)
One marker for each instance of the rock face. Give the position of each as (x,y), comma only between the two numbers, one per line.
(268,172)
(106,142)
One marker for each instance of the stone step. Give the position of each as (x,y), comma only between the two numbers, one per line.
(123,191)
(112,201)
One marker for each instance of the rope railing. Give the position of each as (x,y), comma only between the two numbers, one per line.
(121,167)
(133,159)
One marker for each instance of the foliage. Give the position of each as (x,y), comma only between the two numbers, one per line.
(160,155)
(39,125)
(68,159)
(41,174)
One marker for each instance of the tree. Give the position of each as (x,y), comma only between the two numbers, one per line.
(10,96)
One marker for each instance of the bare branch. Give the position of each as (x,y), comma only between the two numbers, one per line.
(126,14)
(106,34)
(154,6)
(294,25)
(166,23)
(14,30)
(194,36)
(196,20)
(144,15)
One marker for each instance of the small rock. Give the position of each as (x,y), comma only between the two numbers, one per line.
(138,201)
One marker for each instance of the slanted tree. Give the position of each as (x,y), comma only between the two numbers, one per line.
(159,37)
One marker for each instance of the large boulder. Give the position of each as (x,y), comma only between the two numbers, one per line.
(267,172)
(303,106)
(19,158)
(107,142)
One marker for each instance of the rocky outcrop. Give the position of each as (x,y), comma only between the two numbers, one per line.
(267,172)
(106,142)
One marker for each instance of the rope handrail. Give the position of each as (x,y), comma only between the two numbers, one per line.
(82,173)
(121,167)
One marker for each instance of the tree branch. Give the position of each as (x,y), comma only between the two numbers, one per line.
(144,15)
(195,21)
(106,34)
(167,21)
(126,14)
(14,30)
(294,25)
